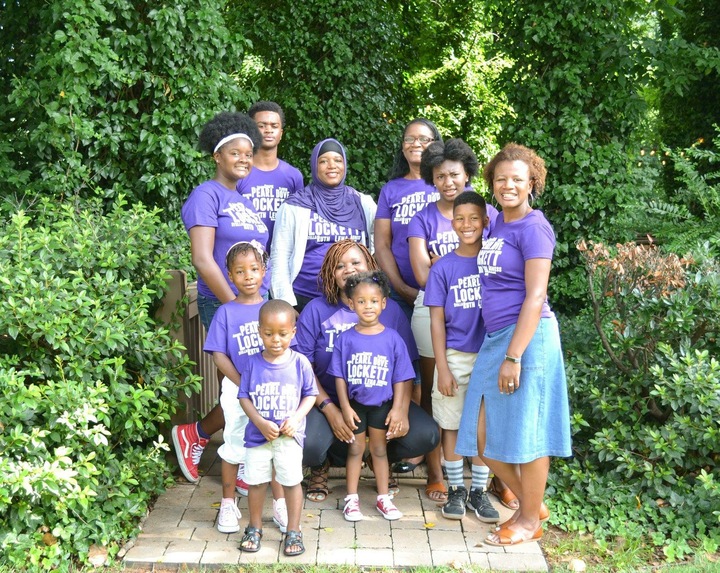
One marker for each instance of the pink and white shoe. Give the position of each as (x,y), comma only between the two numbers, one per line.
(351,511)
(386,507)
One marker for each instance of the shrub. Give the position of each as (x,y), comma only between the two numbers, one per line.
(645,390)
(88,378)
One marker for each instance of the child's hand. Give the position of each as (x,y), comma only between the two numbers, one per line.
(446,384)
(269,430)
(351,417)
(289,426)
(397,423)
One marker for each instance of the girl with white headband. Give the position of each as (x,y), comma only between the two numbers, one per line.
(216,217)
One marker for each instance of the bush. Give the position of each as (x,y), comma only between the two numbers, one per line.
(88,378)
(645,389)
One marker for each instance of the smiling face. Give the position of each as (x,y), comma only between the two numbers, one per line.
(247,273)
(368,302)
(468,222)
(330,169)
(270,126)
(276,331)
(450,179)
(234,159)
(511,184)
(421,136)
(351,263)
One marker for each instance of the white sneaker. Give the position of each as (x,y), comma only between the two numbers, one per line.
(229,517)
(280,515)
(386,507)
(351,511)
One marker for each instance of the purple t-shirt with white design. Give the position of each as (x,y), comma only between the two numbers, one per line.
(320,323)
(268,189)
(234,332)
(436,229)
(501,263)
(400,199)
(234,219)
(321,236)
(370,364)
(454,284)
(276,390)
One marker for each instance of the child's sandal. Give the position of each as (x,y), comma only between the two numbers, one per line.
(294,539)
(250,543)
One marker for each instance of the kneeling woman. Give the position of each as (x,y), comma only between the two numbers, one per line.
(321,321)
(516,411)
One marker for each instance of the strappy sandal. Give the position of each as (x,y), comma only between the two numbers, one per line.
(293,539)
(250,542)
(504,494)
(317,483)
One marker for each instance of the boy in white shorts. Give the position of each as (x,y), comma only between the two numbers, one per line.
(453,295)
(277,390)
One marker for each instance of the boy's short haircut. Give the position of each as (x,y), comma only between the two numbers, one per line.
(277,306)
(470,197)
(259,106)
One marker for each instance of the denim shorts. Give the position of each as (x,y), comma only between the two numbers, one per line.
(207,307)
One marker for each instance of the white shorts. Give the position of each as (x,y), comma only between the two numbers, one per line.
(447,410)
(420,325)
(283,454)
(232,449)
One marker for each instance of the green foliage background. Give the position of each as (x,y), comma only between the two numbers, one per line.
(100,107)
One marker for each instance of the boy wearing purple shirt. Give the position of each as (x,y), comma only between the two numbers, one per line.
(277,390)
(271,179)
(453,295)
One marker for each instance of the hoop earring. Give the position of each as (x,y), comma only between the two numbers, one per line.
(493,201)
(531,199)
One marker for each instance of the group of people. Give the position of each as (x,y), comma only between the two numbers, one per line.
(346,332)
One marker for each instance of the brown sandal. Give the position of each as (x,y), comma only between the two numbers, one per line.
(503,493)
(317,482)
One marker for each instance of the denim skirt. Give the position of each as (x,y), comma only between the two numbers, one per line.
(533,421)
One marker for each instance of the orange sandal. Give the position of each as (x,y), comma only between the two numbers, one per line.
(503,493)
(436,492)
(507,537)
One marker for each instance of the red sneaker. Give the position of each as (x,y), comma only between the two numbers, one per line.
(188,448)
(240,485)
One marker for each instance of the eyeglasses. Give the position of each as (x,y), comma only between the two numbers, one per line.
(423,139)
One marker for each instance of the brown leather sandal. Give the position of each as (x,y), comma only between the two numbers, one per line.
(503,493)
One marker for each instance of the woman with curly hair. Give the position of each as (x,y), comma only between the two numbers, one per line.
(319,324)
(216,217)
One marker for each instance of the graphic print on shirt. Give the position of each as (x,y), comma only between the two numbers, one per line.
(267,199)
(242,217)
(466,293)
(324,231)
(411,204)
(488,257)
(364,369)
(443,243)
(334,327)
(274,401)
(248,339)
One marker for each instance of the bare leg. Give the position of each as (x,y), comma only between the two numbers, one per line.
(378,451)
(214,421)
(228,474)
(294,497)
(432,458)
(353,464)
(256,500)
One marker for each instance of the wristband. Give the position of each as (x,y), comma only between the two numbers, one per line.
(512,359)
(324,403)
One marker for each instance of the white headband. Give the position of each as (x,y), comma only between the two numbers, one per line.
(230,137)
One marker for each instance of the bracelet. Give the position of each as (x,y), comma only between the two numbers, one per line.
(324,403)
(512,359)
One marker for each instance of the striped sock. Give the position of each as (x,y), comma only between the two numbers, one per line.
(454,471)
(480,475)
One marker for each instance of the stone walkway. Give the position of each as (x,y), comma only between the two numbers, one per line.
(180,531)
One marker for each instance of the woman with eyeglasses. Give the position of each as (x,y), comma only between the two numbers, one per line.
(400,198)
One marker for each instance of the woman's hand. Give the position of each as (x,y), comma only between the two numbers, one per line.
(342,431)
(397,423)
(509,377)
(350,417)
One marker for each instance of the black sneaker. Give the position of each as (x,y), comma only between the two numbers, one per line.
(479,502)
(454,507)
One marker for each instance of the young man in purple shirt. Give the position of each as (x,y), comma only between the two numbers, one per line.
(453,295)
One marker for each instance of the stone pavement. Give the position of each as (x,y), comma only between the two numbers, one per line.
(180,531)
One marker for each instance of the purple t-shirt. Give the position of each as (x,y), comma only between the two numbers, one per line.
(276,391)
(400,199)
(501,263)
(320,323)
(321,236)
(268,189)
(234,332)
(454,284)
(370,364)
(234,219)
